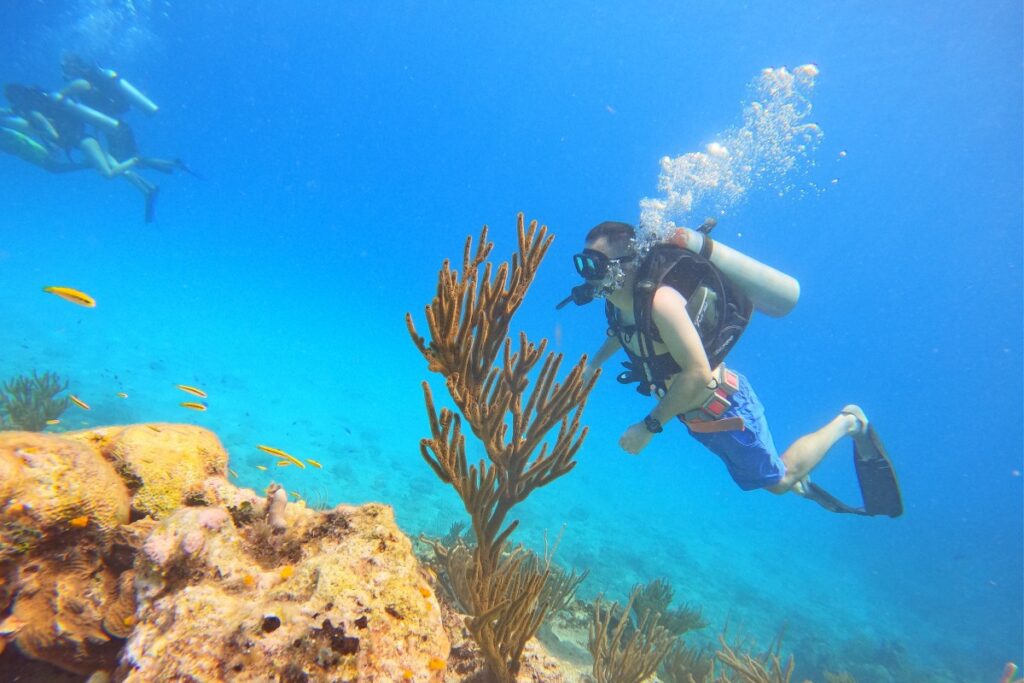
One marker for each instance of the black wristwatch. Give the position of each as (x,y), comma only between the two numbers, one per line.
(653,425)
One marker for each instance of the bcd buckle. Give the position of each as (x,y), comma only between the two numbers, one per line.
(723,386)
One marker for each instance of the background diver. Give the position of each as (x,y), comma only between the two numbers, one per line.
(105,91)
(677,308)
(61,125)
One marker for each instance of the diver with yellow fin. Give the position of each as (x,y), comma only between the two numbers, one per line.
(677,307)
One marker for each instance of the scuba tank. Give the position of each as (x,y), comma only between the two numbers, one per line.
(88,114)
(771,291)
(135,95)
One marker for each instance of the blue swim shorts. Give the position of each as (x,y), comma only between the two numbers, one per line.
(750,453)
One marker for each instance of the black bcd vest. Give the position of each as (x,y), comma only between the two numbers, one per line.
(719,309)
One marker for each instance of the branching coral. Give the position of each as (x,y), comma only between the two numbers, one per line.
(751,670)
(26,403)
(656,596)
(686,665)
(623,653)
(468,321)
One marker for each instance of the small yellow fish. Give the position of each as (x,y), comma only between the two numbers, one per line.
(262,468)
(314,463)
(129,621)
(233,473)
(283,463)
(79,402)
(280,453)
(15,508)
(80,522)
(72,295)
(191,390)
(249,580)
(436,664)
(121,394)
(296,495)
(287,571)
(193,405)
(424,591)
(53,422)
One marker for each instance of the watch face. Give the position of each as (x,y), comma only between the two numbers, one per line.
(653,424)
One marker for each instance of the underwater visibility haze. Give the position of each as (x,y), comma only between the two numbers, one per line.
(317,162)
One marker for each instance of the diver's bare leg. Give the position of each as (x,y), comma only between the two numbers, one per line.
(138,181)
(107,165)
(806,452)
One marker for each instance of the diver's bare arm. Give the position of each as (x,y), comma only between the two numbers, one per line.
(689,388)
(607,350)
(43,126)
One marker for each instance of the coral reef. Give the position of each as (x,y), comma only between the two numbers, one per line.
(468,321)
(27,403)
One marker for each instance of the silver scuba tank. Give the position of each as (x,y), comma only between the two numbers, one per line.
(771,291)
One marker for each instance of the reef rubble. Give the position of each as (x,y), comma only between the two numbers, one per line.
(126,553)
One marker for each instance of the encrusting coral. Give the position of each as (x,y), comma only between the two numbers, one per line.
(27,403)
(468,321)
(61,510)
(350,604)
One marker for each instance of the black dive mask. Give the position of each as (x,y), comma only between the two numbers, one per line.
(603,275)
(591,264)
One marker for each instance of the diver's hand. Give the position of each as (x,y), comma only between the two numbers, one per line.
(635,439)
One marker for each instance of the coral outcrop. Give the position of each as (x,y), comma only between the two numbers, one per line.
(338,595)
(217,588)
(62,511)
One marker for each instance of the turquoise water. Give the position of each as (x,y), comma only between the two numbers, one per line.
(346,151)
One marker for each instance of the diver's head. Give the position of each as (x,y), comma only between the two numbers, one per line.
(75,66)
(21,97)
(608,258)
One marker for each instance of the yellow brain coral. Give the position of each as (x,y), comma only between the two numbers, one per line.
(46,482)
(169,466)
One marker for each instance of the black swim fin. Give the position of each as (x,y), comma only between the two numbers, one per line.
(151,204)
(876,476)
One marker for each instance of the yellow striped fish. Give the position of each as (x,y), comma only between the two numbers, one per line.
(73,295)
(195,391)
(281,454)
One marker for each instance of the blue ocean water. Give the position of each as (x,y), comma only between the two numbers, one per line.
(346,149)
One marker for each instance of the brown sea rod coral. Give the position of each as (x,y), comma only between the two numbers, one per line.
(468,321)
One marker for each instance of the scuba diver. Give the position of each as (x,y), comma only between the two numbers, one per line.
(102,89)
(105,91)
(677,308)
(18,138)
(60,124)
